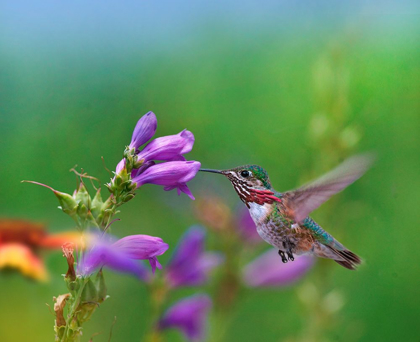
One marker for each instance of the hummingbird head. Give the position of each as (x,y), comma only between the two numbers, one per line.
(251,183)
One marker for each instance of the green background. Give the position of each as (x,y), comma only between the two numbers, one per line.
(249,85)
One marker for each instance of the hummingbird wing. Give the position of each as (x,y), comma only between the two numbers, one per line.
(302,201)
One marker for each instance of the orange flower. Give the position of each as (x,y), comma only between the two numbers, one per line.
(21,242)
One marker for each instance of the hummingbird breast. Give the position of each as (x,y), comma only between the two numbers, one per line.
(272,226)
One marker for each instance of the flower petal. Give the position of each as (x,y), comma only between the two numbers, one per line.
(189,248)
(174,174)
(188,315)
(267,270)
(170,147)
(189,264)
(104,253)
(141,247)
(144,130)
(20,257)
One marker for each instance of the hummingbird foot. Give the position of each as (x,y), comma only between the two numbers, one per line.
(289,246)
(283,256)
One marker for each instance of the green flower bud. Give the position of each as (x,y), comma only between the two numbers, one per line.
(89,302)
(101,286)
(97,203)
(106,212)
(90,293)
(82,196)
(67,203)
(91,220)
(82,211)
(128,198)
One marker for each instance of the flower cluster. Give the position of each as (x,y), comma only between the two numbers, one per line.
(190,265)
(139,166)
(160,162)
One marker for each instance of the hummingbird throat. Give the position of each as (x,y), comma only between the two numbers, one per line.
(248,194)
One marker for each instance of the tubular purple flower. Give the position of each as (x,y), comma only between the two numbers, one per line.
(144,130)
(121,255)
(188,315)
(171,175)
(267,270)
(142,247)
(168,148)
(190,265)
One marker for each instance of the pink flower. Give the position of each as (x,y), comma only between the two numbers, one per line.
(170,147)
(190,264)
(144,130)
(267,270)
(122,255)
(188,315)
(170,175)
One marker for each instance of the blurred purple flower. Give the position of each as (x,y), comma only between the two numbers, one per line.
(142,247)
(188,315)
(121,255)
(246,227)
(171,175)
(267,270)
(144,130)
(169,148)
(190,265)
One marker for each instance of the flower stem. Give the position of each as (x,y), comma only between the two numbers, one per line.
(73,333)
(158,295)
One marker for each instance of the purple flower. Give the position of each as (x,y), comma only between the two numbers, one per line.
(175,173)
(169,148)
(121,255)
(246,227)
(188,315)
(190,265)
(144,130)
(267,270)
(141,247)
(171,175)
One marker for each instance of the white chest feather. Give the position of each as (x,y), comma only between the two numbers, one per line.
(259,212)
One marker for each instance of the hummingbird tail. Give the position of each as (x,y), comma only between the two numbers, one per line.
(347,258)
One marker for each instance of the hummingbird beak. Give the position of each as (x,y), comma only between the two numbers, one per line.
(213,171)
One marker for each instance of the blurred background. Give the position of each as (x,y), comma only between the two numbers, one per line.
(292,86)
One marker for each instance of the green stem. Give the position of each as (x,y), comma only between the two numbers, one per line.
(75,334)
(158,295)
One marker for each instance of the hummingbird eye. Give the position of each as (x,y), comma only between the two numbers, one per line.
(245,173)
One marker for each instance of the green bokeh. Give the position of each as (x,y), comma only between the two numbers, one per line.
(246,101)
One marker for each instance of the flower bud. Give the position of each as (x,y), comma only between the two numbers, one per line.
(82,196)
(67,203)
(101,286)
(90,293)
(89,302)
(97,203)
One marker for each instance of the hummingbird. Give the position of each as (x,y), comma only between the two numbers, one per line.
(282,218)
